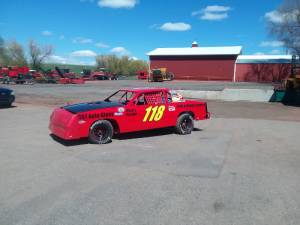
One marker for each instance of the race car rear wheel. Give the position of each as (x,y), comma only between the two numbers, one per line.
(101,132)
(185,124)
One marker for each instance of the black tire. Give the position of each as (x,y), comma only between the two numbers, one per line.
(185,124)
(101,132)
(11,100)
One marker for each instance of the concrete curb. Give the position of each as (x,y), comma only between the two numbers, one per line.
(228,94)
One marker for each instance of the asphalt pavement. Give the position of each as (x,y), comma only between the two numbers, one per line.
(235,168)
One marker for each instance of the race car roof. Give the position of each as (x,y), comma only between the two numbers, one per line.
(146,89)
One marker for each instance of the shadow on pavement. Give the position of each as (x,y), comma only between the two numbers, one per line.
(133,135)
(69,143)
(291,98)
(148,133)
(7,107)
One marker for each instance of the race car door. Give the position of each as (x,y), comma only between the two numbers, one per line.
(151,111)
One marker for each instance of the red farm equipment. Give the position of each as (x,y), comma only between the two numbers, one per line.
(16,74)
(142,75)
(67,77)
(101,74)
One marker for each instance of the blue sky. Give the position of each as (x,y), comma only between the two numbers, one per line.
(79,29)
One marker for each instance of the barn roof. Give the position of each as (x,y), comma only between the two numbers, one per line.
(264,59)
(227,50)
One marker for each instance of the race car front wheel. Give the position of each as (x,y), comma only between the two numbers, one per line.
(101,132)
(185,124)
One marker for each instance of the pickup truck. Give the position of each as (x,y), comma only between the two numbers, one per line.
(127,110)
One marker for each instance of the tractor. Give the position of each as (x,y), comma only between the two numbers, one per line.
(100,74)
(67,77)
(292,83)
(161,74)
(16,74)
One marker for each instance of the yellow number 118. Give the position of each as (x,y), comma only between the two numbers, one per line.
(156,113)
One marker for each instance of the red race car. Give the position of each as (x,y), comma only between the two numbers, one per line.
(127,110)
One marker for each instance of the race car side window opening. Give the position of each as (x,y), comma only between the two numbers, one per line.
(169,97)
(154,98)
(141,100)
(150,98)
(120,96)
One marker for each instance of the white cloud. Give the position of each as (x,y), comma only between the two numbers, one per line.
(47,33)
(275,52)
(118,3)
(153,26)
(101,45)
(56,59)
(61,37)
(214,16)
(120,50)
(134,58)
(213,12)
(196,13)
(273,44)
(83,53)
(280,17)
(70,60)
(217,8)
(175,26)
(274,16)
(82,40)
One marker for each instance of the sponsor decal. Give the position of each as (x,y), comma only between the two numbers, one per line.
(131,112)
(95,115)
(121,110)
(189,105)
(81,121)
(172,108)
(118,114)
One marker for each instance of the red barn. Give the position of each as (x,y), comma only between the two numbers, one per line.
(262,68)
(197,63)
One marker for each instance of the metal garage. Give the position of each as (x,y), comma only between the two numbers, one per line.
(262,68)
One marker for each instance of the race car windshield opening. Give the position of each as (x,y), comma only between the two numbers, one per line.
(122,97)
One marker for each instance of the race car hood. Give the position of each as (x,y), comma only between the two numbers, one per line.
(88,106)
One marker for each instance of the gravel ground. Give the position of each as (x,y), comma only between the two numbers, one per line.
(240,167)
(55,95)
(95,89)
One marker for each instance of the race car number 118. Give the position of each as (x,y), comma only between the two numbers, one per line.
(154,113)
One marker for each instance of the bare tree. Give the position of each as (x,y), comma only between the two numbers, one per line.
(284,24)
(38,54)
(16,54)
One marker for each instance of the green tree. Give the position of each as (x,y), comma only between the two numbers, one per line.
(121,66)
(101,61)
(3,53)
(16,54)
(136,65)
